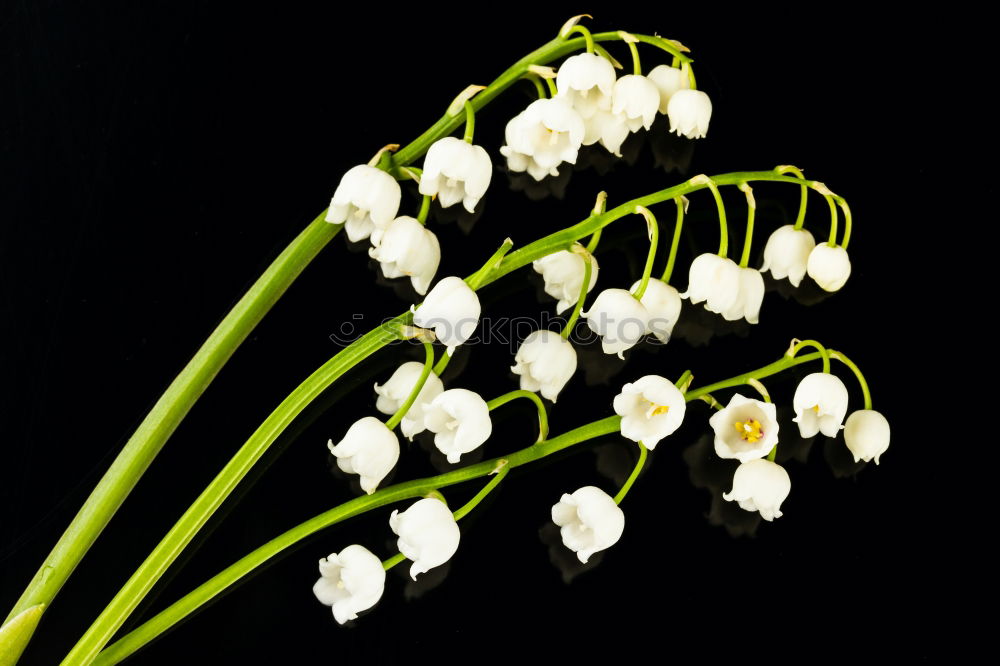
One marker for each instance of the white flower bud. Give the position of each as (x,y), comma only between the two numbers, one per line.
(820,404)
(351,581)
(787,253)
(369,449)
(760,485)
(690,112)
(866,435)
(829,266)
(452,309)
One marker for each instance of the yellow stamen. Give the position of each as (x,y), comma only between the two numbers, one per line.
(750,430)
(815,408)
(655,409)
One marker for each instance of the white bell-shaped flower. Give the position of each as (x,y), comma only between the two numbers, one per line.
(394,393)
(369,449)
(745,429)
(760,485)
(787,253)
(351,581)
(715,280)
(456,171)
(610,129)
(545,361)
(636,99)
(586,81)
(366,198)
(543,136)
(866,434)
(408,248)
(619,318)
(460,421)
(452,309)
(690,112)
(820,404)
(563,273)
(428,534)
(589,521)
(748,298)
(668,80)
(663,304)
(651,408)
(829,266)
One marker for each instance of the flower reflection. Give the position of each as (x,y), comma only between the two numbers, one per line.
(670,152)
(709,471)
(840,459)
(425,582)
(615,461)
(564,559)
(697,326)
(457,215)
(598,368)
(536,190)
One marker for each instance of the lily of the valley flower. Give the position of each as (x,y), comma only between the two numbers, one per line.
(408,248)
(394,393)
(369,449)
(351,581)
(586,80)
(460,421)
(636,99)
(866,434)
(820,404)
(668,80)
(745,429)
(760,485)
(619,318)
(456,171)
(452,309)
(787,253)
(651,408)
(545,361)
(589,521)
(829,266)
(543,136)
(714,280)
(366,198)
(690,112)
(563,273)
(607,128)
(428,534)
(663,304)
(748,298)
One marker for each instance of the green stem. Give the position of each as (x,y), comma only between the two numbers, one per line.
(470,122)
(543,417)
(857,373)
(800,220)
(442,363)
(634,475)
(586,35)
(848,220)
(713,185)
(537,81)
(386,564)
(636,64)
(425,208)
(502,472)
(751,214)
(801,344)
(588,268)
(475,281)
(653,229)
(415,391)
(669,270)
(833,220)
(773,454)
(551,83)
(682,380)
(180,609)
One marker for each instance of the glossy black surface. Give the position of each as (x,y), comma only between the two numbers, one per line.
(157,157)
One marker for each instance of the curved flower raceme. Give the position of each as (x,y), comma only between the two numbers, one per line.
(663,304)
(351,581)
(563,273)
(543,136)
(589,521)
(866,434)
(369,449)
(394,393)
(366,199)
(820,404)
(749,297)
(456,171)
(408,248)
(619,318)
(787,253)
(760,485)
(829,266)
(545,361)
(651,408)
(636,99)
(715,280)
(690,112)
(428,534)
(668,80)
(452,309)
(586,81)
(745,429)
(460,421)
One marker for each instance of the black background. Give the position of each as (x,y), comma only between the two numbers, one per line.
(156,158)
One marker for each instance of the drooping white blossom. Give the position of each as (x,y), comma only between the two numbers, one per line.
(651,408)
(407,248)
(668,80)
(546,134)
(350,581)
(760,485)
(460,421)
(619,318)
(563,273)
(636,99)
(428,534)
(456,171)
(394,393)
(749,297)
(866,434)
(714,280)
(589,521)
(369,449)
(787,253)
(689,112)
(820,404)
(452,309)
(586,80)
(829,266)
(545,361)
(366,198)
(663,305)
